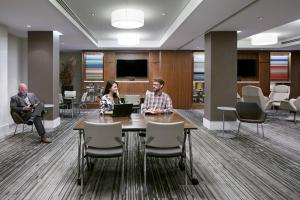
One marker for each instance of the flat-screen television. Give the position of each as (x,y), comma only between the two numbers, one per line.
(246,68)
(132,68)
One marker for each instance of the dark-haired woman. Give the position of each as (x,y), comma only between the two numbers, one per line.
(110,96)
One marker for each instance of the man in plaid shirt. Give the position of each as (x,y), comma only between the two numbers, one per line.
(157,102)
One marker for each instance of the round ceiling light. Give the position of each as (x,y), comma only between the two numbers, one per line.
(127,18)
(264,39)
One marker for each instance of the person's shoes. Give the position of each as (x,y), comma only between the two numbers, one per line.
(45,140)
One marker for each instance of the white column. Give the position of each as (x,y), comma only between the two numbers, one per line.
(4,101)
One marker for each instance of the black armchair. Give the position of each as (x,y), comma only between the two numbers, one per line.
(250,113)
(18,120)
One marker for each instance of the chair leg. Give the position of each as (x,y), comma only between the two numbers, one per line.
(295,116)
(145,173)
(32,128)
(82,168)
(122,178)
(239,127)
(262,128)
(186,171)
(257,129)
(23,129)
(16,129)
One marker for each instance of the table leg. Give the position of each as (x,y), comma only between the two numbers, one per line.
(181,163)
(72,108)
(223,123)
(79,155)
(225,135)
(194,180)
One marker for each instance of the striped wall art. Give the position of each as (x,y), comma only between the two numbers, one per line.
(198,66)
(279,67)
(93,66)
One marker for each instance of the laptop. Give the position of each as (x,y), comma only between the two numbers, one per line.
(122,110)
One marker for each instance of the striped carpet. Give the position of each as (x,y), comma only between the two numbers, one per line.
(247,167)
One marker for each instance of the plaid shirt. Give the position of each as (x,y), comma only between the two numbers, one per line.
(162,102)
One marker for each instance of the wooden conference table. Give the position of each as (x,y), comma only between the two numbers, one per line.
(135,123)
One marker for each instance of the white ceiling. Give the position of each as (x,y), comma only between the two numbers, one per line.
(183,26)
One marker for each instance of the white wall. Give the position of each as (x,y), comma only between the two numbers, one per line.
(17,67)
(13,70)
(4,103)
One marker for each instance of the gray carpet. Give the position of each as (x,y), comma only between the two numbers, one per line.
(247,167)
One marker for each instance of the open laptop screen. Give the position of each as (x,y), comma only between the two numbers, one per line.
(122,110)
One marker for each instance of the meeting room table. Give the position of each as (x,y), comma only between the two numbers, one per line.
(135,123)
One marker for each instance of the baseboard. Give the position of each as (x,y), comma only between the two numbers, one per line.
(4,131)
(51,124)
(218,125)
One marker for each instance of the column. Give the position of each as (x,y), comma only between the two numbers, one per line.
(4,100)
(220,78)
(43,71)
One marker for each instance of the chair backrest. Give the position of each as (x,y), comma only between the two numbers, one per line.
(132,99)
(249,110)
(297,103)
(280,93)
(164,135)
(17,118)
(254,94)
(70,94)
(83,97)
(102,135)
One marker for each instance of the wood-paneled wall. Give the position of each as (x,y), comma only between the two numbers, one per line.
(295,74)
(264,71)
(176,69)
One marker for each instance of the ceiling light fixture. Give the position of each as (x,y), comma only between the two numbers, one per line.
(128,39)
(28,26)
(238,31)
(127,18)
(264,39)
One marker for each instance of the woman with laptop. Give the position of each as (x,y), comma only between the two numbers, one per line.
(110,97)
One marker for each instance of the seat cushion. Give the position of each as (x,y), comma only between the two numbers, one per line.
(163,152)
(104,152)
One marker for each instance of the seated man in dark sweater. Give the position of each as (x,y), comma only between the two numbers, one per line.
(28,106)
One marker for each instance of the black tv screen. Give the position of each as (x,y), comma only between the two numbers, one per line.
(246,68)
(132,68)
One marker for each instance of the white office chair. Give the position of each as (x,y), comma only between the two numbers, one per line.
(164,140)
(102,141)
(293,105)
(253,94)
(70,94)
(279,93)
(135,100)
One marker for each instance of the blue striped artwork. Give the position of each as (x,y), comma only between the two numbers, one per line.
(93,62)
(199,66)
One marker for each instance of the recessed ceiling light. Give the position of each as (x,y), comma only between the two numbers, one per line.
(260,18)
(28,26)
(163,14)
(128,39)
(264,39)
(239,31)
